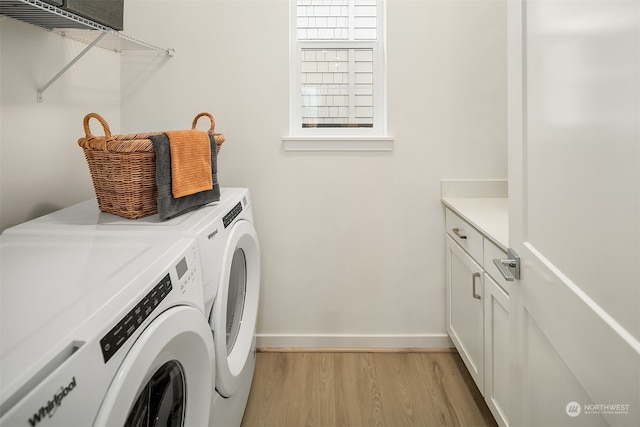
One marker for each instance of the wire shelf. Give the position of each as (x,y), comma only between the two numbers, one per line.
(70,25)
(75,27)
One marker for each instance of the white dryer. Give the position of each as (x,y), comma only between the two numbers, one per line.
(102,331)
(230,255)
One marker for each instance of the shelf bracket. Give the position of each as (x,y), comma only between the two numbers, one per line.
(73,61)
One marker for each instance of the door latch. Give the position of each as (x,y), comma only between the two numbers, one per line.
(509,267)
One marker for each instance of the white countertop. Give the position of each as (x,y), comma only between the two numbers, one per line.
(490,215)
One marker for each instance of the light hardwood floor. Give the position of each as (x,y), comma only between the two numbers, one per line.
(364,389)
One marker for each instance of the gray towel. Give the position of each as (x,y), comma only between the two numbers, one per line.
(168,206)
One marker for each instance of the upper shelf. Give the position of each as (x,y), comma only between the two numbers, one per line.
(76,27)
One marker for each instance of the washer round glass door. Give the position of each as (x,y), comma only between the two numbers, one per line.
(235,310)
(162,401)
(166,377)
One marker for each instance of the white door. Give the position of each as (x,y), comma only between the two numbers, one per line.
(235,310)
(574,178)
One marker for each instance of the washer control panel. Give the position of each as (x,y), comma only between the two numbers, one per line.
(181,278)
(187,269)
(121,332)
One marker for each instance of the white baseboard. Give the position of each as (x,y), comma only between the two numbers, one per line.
(435,341)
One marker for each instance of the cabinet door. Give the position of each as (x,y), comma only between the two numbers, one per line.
(496,344)
(464,309)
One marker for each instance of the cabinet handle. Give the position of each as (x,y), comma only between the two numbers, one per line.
(457,232)
(475,294)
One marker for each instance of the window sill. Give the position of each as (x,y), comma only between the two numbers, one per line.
(337,143)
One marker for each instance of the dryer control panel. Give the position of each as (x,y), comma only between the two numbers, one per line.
(232,214)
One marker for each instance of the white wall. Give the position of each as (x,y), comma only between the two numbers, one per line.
(42,169)
(352,243)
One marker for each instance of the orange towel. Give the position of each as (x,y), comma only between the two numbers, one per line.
(190,162)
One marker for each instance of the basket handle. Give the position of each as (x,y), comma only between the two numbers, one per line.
(103,122)
(211,119)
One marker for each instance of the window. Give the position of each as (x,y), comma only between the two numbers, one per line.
(337,68)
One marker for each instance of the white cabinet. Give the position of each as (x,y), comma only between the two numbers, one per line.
(465,309)
(496,349)
(477,301)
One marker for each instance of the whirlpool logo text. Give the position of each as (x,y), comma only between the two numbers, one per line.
(49,408)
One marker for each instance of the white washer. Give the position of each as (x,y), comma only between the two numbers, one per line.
(230,255)
(94,328)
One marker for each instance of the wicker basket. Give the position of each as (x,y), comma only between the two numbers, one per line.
(123,168)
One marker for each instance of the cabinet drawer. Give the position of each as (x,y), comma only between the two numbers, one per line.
(491,252)
(464,234)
